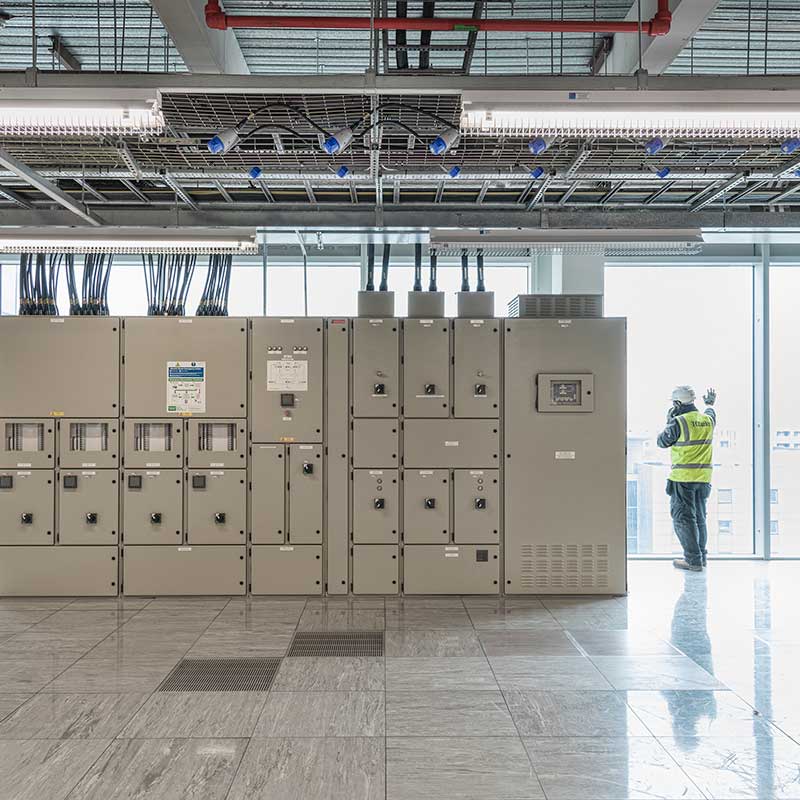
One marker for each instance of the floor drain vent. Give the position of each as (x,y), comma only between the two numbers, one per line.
(337,643)
(221,675)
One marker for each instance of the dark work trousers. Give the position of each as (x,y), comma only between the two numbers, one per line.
(688,509)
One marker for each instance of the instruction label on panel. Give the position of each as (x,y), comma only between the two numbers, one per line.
(287,375)
(186,387)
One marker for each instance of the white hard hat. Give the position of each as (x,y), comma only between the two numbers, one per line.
(683,394)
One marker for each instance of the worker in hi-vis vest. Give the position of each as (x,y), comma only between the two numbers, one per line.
(690,434)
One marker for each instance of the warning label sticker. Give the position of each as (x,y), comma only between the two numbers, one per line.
(186,387)
(287,375)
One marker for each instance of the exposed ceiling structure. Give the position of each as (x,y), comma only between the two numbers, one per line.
(391,173)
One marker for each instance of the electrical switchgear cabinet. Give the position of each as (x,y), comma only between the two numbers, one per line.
(449,569)
(88,443)
(286,569)
(376,506)
(268,494)
(376,442)
(216,444)
(426,368)
(88,507)
(185,570)
(216,504)
(62,366)
(376,368)
(58,571)
(286,363)
(426,506)
(28,444)
(27,508)
(305,493)
(153,443)
(376,569)
(215,346)
(152,507)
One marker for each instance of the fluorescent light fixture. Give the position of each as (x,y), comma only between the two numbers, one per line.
(83,243)
(638,114)
(49,113)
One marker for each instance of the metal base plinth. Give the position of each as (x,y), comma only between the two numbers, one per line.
(422,305)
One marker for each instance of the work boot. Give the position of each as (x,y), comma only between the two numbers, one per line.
(680,563)
(705,561)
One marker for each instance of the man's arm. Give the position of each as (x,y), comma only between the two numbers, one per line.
(710,412)
(669,435)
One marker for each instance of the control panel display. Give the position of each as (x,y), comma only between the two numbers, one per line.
(564,392)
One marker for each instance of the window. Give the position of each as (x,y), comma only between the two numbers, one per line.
(662,335)
(724,496)
(773,527)
(773,496)
(725,526)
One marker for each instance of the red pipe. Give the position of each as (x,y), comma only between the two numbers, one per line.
(659,25)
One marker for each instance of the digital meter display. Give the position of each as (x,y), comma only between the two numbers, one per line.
(565,393)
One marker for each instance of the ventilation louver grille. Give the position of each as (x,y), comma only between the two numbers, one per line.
(222,675)
(328,644)
(564,566)
(556,306)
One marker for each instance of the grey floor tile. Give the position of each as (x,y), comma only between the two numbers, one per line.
(163,769)
(330,675)
(28,674)
(35,643)
(71,716)
(608,769)
(527,643)
(113,675)
(435,674)
(573,713)
(697,713)
(547,673)
(512,618)
(459,769)
(621,643)
(241,644)
(655,672)
(196,715)
(481,601)
(424,601)
(323,618)
(300,714)
(432,644)
(102,603)
(11,702)
(424,618)
(346,602)
(45,770)
(740,767)
(451,713)
(301,769)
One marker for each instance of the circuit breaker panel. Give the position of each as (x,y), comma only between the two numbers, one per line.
(310,456)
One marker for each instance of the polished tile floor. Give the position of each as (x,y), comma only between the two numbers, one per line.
(687,688)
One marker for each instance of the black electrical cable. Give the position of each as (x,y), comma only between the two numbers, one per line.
(481,287)
(464,271)
(370,286)
(432,281)
(403,107)
(387,252)
(418,267)
(274,129)
(286,106)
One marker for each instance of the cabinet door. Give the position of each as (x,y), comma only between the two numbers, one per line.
(268,494)
(88,507)
(216,506)
(426,506)
(476,501)
(376,368)
(376,506)
(152,506)
(305,493)
(27,508)
(426,368)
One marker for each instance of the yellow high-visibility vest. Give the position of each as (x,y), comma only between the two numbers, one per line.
(692,454)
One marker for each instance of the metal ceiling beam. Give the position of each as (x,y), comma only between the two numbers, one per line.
(658,52)
(655,195)
(223,191)
(568,192)
(472,38)
(14,197)
(709,196)
(82,182)
(541,192)
(611,192)
(33,178)
(482,193)
(203,50)
(65,56)
(785,195)
(179,191)
(131,187)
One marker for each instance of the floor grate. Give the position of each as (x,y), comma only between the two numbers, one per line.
(221,675)
(337,643)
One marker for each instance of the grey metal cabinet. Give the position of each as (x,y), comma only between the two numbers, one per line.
(376,506)
(305,493)
(476,506)
(216,506)
(426,368)
(152,506)
(376,368)
(27,508)
(88,507)
(426,506)
(268,494)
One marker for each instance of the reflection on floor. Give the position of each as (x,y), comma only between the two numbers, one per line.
(688,688)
